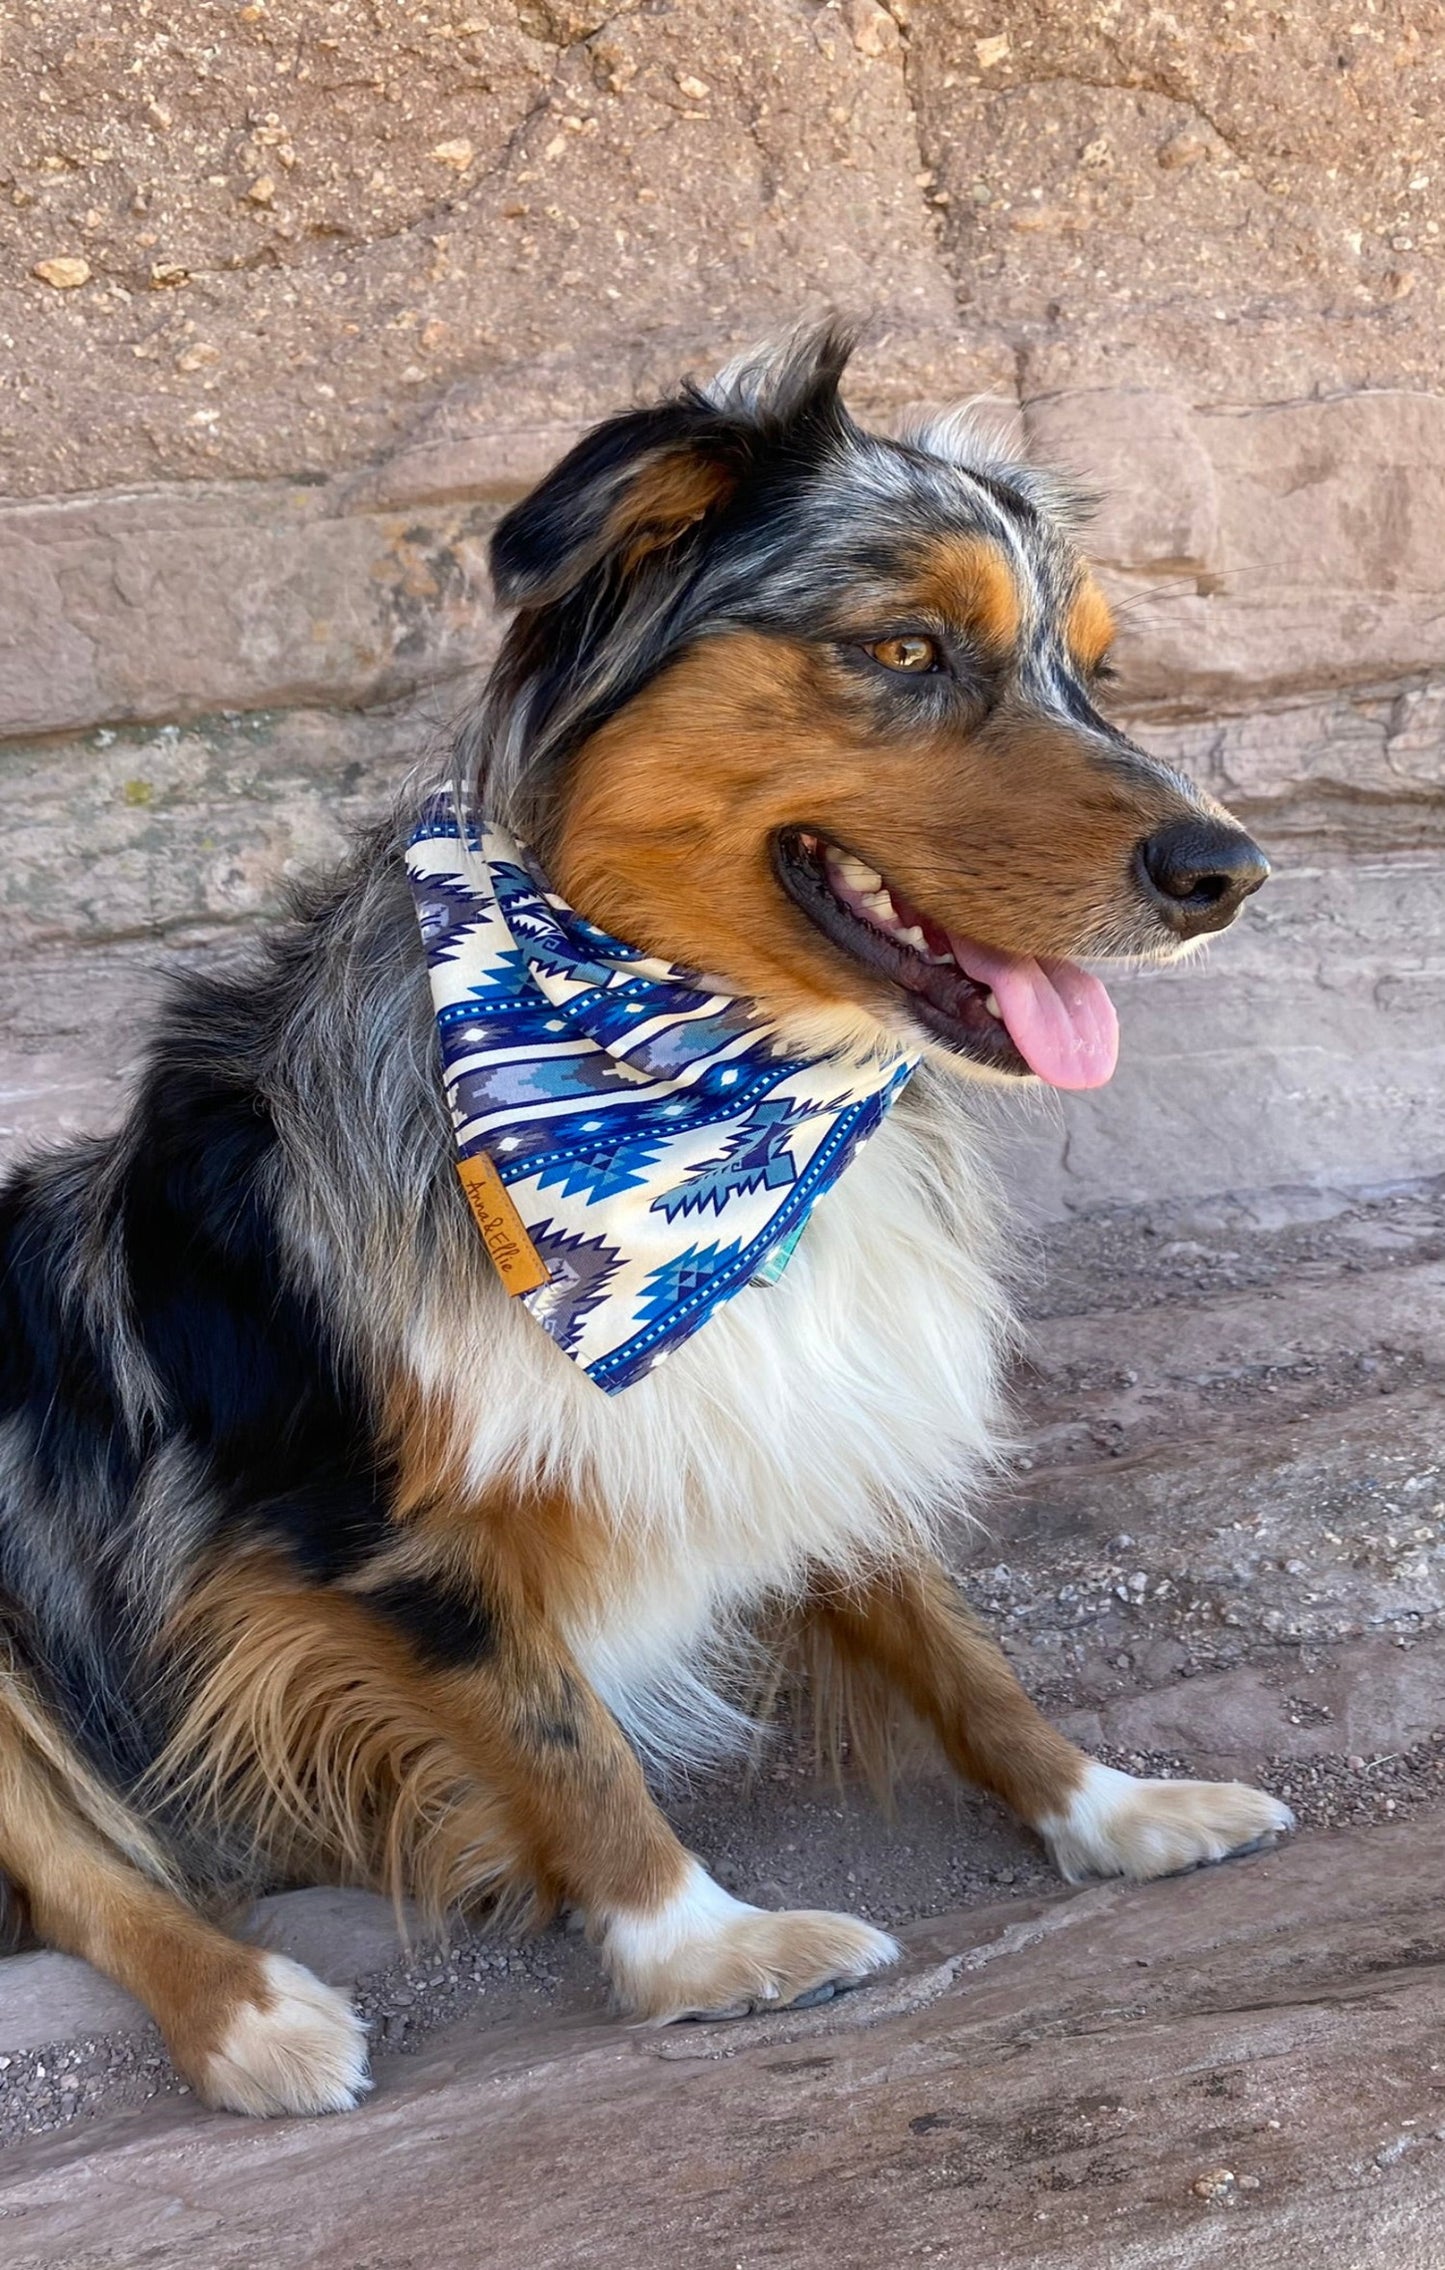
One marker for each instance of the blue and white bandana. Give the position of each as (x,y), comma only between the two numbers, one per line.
(660,1144)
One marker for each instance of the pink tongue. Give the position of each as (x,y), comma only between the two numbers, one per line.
(1060,1019)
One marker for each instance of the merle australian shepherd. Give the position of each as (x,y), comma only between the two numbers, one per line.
(318,1559)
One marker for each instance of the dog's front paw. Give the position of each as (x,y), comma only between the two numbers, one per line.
(1117,1825)
(706,1955)
(298,2046)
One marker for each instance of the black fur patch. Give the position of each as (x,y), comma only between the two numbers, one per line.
(54,1378)
(251,1373)
(448,1629)
(234,1378)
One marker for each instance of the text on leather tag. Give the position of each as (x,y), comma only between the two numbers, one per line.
(518,1263)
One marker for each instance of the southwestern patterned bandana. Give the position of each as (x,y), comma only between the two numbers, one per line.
(661,1147)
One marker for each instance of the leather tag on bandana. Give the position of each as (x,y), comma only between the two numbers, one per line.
(518,1263)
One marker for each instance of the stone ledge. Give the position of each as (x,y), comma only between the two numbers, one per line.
(1300,540)
(1367,762)
(172,827)
(1103,2077)
(173,603)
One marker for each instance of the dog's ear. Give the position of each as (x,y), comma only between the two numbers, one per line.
(634,487)
(630,488)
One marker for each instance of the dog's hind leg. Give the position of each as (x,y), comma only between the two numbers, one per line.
(251,2031)
(454,1751)
(909,1627)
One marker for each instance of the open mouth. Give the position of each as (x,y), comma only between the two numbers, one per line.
(1006,1012)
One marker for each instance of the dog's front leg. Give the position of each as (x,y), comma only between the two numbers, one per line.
(911,1625)
(438,1737)
(587,1832)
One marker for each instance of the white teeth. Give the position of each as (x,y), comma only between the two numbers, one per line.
(857,877)
(864,889)
(990,1002)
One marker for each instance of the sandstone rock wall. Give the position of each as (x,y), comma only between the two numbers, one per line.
(294,296)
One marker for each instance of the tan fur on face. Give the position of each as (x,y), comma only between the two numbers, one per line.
(1016,835)
(971,583)
(1089,630)
(667,830)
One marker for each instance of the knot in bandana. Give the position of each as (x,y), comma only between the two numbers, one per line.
(660,1144)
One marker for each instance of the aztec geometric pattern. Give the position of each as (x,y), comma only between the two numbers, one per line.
(661,1144)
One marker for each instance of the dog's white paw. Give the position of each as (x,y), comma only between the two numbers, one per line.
(298,2047)
(1118,1825)
(708,1955)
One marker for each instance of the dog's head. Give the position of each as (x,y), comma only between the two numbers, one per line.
(813,711)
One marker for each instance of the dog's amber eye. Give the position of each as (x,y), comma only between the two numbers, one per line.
(912,653)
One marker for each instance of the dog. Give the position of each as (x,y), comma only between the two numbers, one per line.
(323,1553)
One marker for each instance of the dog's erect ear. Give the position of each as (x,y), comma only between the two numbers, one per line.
(631,487)
(635,486)
(789,392)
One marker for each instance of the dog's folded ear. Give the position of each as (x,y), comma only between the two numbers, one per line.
(631,487)
(636,486)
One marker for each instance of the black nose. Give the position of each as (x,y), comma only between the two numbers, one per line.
(1199,872)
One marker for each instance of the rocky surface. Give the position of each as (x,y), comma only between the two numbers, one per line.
(263,241)
(74,2046)
(305,226)
(1246,2058)
(1241,202)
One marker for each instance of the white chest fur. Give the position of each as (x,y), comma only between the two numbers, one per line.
(810,1425)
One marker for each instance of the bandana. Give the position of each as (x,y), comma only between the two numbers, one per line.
(637,1146)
